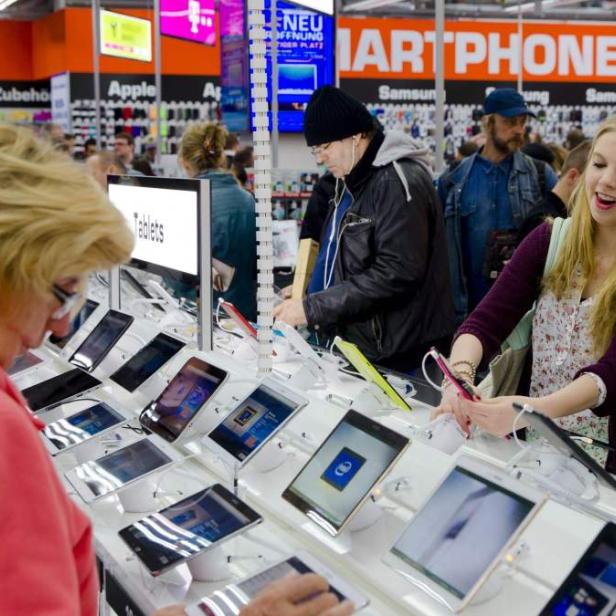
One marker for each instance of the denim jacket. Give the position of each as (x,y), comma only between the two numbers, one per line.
(524,194)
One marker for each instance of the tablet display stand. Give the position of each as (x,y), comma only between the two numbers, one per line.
(270,457)
(211,566)
(88,450)
(138,497)
(370,401)
(247,349)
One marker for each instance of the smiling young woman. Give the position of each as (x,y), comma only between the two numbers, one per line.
(573,371)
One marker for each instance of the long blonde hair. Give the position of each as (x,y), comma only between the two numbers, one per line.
(579,252)
(55,221)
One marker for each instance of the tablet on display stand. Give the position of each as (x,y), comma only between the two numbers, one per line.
(454,543)
(170,219)
(334,487)
(246,434)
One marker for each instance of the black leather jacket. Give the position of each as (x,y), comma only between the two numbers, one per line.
(392,293)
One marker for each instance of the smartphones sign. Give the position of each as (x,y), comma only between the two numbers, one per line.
(193,20)
(125,37)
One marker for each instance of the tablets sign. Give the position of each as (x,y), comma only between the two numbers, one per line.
(193,20)
(164,222)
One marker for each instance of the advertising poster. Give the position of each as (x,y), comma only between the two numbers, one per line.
(191,20)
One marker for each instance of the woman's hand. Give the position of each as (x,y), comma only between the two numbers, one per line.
(496,415)
(451,403)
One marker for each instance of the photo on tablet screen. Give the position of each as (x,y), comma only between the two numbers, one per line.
(141,366)
(188,528)
(255,420)
(590,588)
(101,340)
(59,388)
(24,362)
(113,471)
(81,426)
(228,601)
(183,398)
(344,470)
(82,316)
(458,535)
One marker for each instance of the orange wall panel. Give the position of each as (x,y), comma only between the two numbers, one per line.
(49,51)
(15,50)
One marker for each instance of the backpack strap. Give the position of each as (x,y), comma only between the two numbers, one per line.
(540,167)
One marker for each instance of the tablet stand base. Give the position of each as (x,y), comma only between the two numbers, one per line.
(138,498)
(368,515)
(270,457)
(247,349)
(306,377)
(211,566)
(372,401)
(89,450)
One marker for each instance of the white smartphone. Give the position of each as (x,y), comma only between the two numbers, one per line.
(229,600)
(98,478)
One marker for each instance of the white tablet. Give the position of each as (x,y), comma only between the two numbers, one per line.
(229,600)
(254,422)
(463,530)
(97,478)
(90,422)
(336,481)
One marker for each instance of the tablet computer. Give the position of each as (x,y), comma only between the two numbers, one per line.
(63,434)
(463,530)
(254,421)
(141,366)
(58,388)
(181,532)
(590,588)
(560,440)
(361,363)
(230,600)
(344,470)
(175,411)
(82,316)
(24,362)
(97,478)
(100,340)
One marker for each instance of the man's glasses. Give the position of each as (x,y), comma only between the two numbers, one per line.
(315,150)
(68,301)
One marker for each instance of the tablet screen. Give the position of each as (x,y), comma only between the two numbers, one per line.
(59,388)
(82,316)
(146,362)
(182,530)
(100,340)
(344,470)
(82,425)
(590,589)
(118,468)
(182,399)
(458,533)
(23,362)
(253,422)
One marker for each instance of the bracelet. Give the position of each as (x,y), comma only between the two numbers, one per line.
(465,362)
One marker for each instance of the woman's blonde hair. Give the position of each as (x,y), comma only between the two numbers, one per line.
(55,221)
(202,146)
(579,251)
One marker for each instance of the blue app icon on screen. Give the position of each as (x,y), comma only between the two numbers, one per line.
(343,468)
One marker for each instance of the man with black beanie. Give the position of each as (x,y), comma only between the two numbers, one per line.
(381,279)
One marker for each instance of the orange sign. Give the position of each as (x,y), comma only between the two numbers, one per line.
(477,50)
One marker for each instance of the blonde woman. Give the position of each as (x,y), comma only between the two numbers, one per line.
(57,226)
(573,365)
(234,239)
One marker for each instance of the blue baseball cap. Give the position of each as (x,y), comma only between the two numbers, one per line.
(506,102)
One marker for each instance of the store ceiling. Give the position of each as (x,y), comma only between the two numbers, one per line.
(599,10)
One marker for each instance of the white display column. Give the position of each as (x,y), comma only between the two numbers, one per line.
(262,182)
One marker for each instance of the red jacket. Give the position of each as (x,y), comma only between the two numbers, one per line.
(47,562)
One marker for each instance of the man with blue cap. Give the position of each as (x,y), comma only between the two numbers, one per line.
(488,196)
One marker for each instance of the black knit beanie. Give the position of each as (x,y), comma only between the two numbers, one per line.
(332,115)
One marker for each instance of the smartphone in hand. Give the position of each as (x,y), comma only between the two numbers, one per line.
(463,388)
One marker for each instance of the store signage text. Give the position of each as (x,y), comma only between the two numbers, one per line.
(147,229)
(405,48)
(29,95)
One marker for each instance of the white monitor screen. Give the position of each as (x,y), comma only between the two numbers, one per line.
(165,223)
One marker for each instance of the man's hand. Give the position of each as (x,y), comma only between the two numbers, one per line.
(291,311)
(303,595)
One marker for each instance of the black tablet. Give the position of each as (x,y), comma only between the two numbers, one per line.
(178,405)
(339,477)
(59,388)
(559,439)
(140,367)
(100,340)
(194,525)
(82,316)
(590,589)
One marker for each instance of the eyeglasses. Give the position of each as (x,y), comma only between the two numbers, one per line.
(69,301)
(315,150)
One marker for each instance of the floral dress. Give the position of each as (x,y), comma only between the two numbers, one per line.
(562,345)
